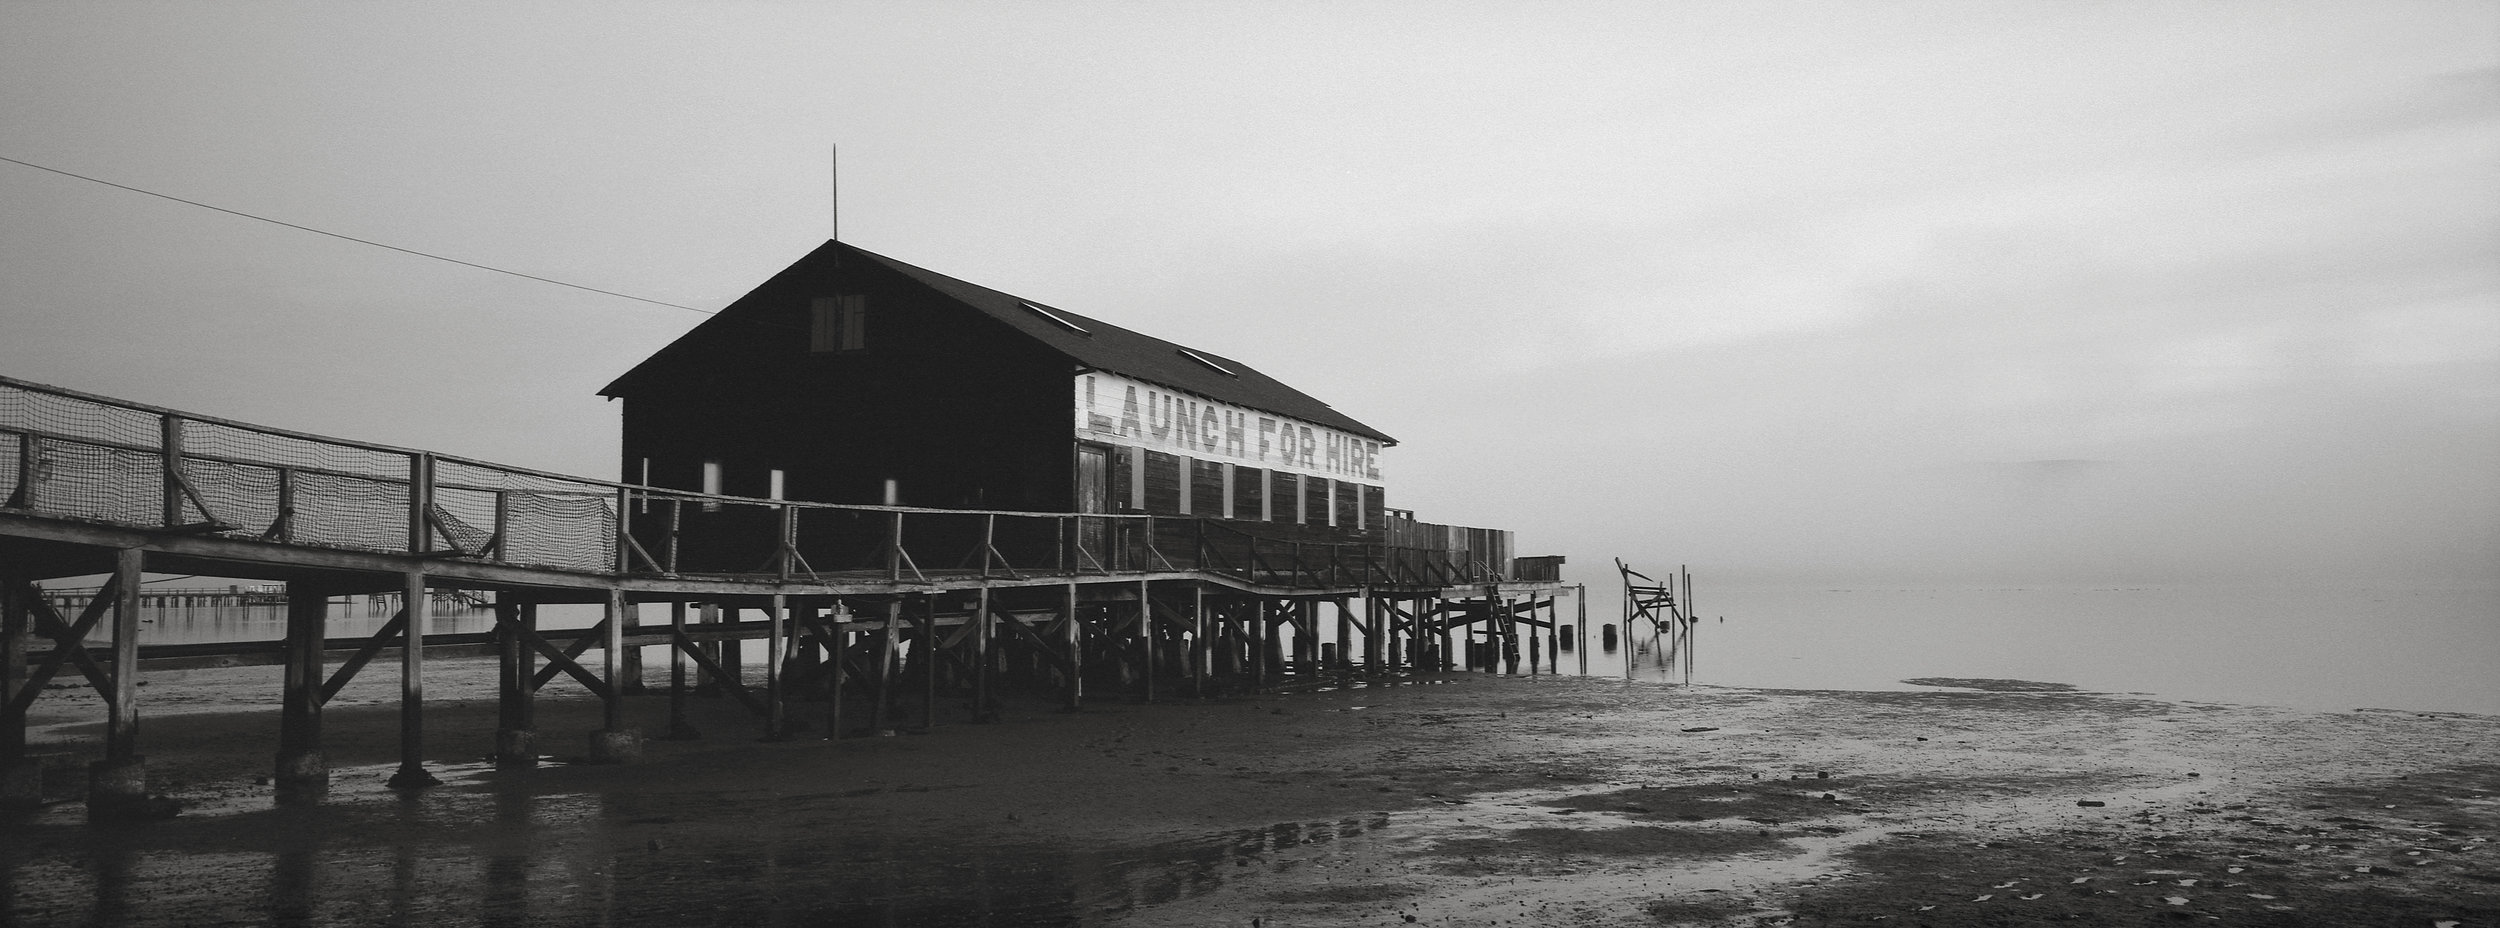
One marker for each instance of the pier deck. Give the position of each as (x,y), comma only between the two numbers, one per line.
(851,602)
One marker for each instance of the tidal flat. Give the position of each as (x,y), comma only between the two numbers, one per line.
(1455,799)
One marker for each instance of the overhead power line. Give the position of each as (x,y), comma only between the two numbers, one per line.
(351,238)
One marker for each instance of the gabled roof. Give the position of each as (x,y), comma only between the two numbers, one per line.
(1100,346)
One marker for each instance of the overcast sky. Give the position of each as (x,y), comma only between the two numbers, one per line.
(2072,290)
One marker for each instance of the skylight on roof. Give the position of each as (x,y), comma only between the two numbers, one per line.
(1061,321)
(1203,359)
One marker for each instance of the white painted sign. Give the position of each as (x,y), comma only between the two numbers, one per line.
(1116,410)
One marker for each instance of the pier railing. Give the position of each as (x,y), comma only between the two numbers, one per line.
(75,456)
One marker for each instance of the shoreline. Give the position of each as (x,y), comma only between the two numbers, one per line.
(1455,799)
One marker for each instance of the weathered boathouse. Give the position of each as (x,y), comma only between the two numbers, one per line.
(851,377)
(916,493)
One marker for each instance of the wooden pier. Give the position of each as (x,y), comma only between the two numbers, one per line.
(853,604)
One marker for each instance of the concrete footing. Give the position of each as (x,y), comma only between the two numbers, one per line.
(412,776)
(302,771)
(117,790)
(615,747)
(516,748)
(21,785)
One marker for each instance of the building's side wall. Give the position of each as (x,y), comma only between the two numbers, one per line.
(955,409)
(1169,453)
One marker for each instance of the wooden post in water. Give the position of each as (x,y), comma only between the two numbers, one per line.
(1345,634)
(516,743)
(412,773)
(1076,653)
(1536,657)
(838,667)
(301,766)
(21,781)
(732,651)
(679,727)
(1198,650)
(614,743)
(927,650)
(776,652)
(1580,626)
(1692,625)
(1146,636)
(981,630)
(878,711)
(1258,644)
(117,786)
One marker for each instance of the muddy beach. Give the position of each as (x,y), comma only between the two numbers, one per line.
(1449,800)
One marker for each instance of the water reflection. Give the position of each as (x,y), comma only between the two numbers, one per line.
(489,851)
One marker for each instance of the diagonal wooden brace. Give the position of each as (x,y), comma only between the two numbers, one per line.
(564,660)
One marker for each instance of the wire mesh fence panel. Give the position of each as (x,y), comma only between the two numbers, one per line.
(565,531)
(12,457)
(462,519)
(82,481)
(363,513)
(78,417)
(242,497)
(217,439)
(453,472)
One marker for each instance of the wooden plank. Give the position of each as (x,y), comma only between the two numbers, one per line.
(566,660)
(69,645)
(730,681)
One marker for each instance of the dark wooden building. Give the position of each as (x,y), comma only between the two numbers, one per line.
(851,377)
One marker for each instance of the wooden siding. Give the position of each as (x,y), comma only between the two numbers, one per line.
(1123,478)
(1206,488)
(1163,483)
(1249,490)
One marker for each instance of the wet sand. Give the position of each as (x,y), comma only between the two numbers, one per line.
(1459,800)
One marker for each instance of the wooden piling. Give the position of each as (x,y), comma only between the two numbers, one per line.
(301,766)
(1345,636)
(1076,653)
(679,727)
(412,773)
(1580,626)
(21,781)
(838,667)
(1146,638)
(1198,650)
(878,711)
(776,651)
(984,626)
(927,652)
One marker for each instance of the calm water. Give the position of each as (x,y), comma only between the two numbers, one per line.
(2399,648)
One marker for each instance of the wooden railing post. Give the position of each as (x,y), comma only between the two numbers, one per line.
(676,514)
(282,529)
(894,551)
(624,532)
(503,525)
(170,447)
(420,500)
(29,470)
(989,544)
(783,548)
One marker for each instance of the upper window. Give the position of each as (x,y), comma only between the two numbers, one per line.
(1210,363)
(1057,319)
(838,323)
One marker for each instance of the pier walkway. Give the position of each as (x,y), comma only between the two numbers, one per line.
(852,603)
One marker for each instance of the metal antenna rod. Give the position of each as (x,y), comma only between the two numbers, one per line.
(833,163)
